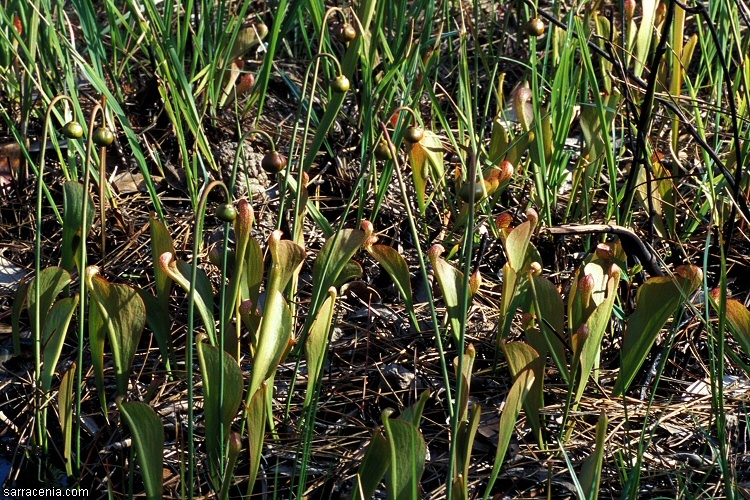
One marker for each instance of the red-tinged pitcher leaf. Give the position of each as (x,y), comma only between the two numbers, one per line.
(161,242)
(256,427)
(148,440)
(658,298)
(180,271)
(738,317)
(426,160)
(517,242)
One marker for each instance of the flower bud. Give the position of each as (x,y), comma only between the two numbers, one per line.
(586,289)
(604,252)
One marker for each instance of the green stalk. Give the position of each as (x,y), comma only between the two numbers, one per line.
(189,336)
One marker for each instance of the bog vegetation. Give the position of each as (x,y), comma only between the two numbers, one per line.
(380,249)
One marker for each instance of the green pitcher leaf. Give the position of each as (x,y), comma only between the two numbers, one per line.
(596,325)
(451,282)
(55,329)
(517,242)
(273,338)
(374,465)
(157,319)
(334,256)
(397,268)
(65,412)
(316,344)
(738,318)
(522,357)
(220,405)
(591,472)
(243,225)
(256,428)
(72,222)
(123,316)
(52,281)
(658,298)
(161,242)
(148,439)
(408,451)
(180,272)
(551,316)
(467,431)
(287,257)
(516,398)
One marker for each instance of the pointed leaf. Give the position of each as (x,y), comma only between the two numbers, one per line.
(521,358)
(123,317)
(72,221)
(517,242)
(287,257)
(256,427)
(334,256)
(516,398)
(52,281)
(148,440)
(220,404)
(597,324)
(591,472)
(273,338)
(408,451)
(451,282)
(180,272)
(65,411)
(55,329)
(161,242)
(397,268)
(316,344)
(551,313)
(658,299)
(413,413)
(374,465)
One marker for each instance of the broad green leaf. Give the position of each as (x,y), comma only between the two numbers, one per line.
(220,404)
(451,282)
(426,159)
(351,271)
(334,256)
(148,440)
(397,268)
(157,319)
(52,281)
(591,472)
(522,357)
(316,344)
(408,451)
(273,338)
(596,325)
(123,316)
(180,272)
(467,431)
(19,302)
(517,242)
(551,313)
(658,298)
(465,378)
(55,329)
(161,242)
(256,427)
(516,398)
(65,411)
(73,221)
(287,257)
(374,465)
